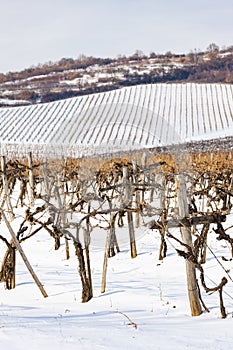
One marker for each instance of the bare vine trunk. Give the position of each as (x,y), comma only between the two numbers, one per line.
(5,190)
(86,288)
(20,250)
(7,273)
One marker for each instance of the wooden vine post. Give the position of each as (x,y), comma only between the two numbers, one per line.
(110,241)
(144,160)
(31,180)
(128,201)
(87,240)
(137,195)
(193,292)
(163,245)
(105,263)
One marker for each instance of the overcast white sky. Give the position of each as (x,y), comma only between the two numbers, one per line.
(33,32)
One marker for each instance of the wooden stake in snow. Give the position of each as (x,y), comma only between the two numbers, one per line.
(109,240)
(163,245)
(62,215)
(137,195)
(144,160)
(20,250)
(105,263)
(31,180)
(193,293)
(87,240)
(128,199)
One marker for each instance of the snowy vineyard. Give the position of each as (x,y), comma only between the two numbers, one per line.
(137,117)
(104,201)
(101,170)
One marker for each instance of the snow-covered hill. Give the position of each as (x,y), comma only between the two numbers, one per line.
(84,75)
(128,118)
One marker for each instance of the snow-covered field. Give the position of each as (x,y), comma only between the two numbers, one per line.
(132,117)
(145,305)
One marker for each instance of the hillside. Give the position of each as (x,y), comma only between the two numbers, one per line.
(86,75)
(130,118)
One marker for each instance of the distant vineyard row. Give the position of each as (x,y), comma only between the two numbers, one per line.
(129,118)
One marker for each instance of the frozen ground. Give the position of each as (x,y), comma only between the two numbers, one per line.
(145,305)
